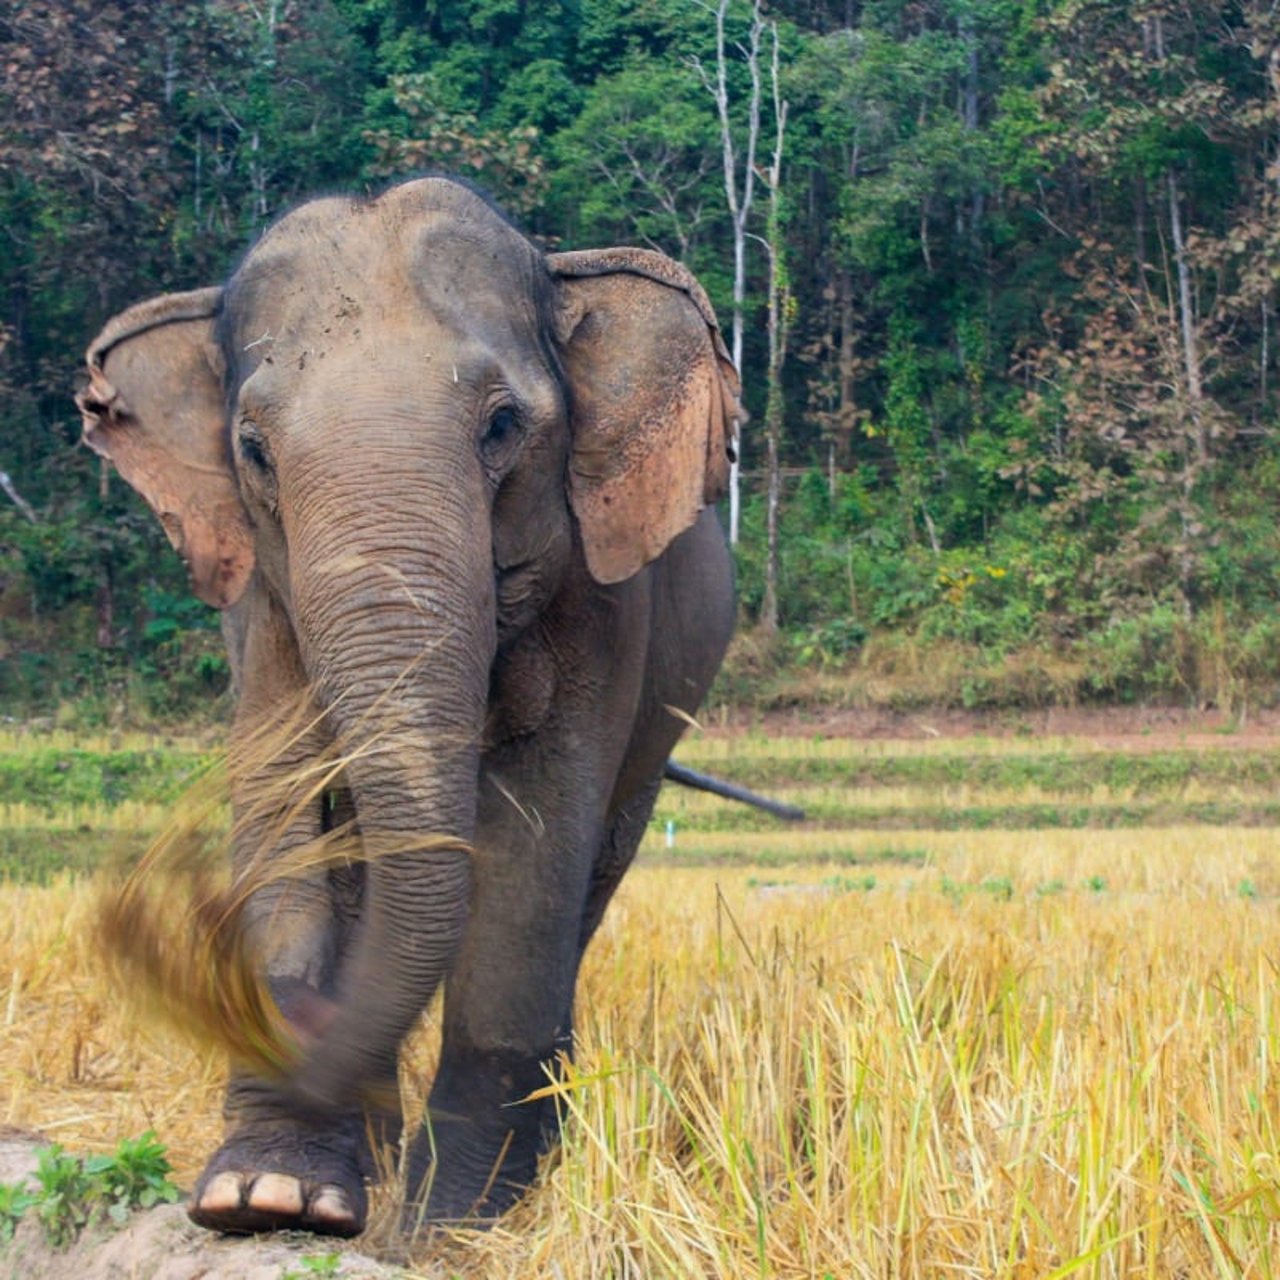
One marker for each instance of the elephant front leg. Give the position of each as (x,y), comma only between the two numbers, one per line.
(509,1005)
(277,1167)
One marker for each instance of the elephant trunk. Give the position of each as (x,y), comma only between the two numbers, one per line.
(394,612)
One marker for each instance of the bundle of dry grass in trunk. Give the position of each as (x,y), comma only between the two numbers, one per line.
(175,931)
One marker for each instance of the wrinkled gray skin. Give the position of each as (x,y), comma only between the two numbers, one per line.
(454,492)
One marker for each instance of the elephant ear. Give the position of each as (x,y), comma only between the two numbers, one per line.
(155,406)
(653,402)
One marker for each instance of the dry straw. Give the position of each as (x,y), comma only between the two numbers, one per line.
(1019,1054)
(176,932)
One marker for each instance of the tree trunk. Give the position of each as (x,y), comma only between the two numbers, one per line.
(1186,312)
(738,198)
(969,118)
(779,303)
(1140,230)
(1195,446)
(735,463)
(847,417)
(106,605)
(773,435)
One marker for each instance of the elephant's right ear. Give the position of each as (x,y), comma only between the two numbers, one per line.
(155,405)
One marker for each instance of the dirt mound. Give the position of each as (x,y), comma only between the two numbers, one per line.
(160,1244)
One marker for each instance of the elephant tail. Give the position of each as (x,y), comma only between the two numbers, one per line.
(730,791)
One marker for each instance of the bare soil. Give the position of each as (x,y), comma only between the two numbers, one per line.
(1138,728)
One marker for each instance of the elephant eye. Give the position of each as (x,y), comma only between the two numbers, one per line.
(501,433)
(253,449)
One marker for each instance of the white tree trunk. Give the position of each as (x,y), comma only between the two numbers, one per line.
(739,192)
(1187,319)
(779,323)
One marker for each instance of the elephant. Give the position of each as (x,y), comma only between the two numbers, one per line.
(455,493)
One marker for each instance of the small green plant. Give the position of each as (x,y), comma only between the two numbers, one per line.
(64,1202)
(15,1200)
(315,1264)
(998,887)
(72,1192)
(1248,890)
(829,642)
(136,1176)
(1096,884)
(850,884)
(1051,888)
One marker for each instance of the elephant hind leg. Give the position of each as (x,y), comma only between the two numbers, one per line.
(617,852)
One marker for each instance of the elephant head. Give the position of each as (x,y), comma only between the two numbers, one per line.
(401,425)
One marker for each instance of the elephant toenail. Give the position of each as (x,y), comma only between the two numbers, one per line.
(331,1206)
(222,1195)
(276,1193)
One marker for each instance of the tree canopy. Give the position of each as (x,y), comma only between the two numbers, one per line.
(1032,251)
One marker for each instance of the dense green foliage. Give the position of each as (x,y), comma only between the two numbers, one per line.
(1033,250)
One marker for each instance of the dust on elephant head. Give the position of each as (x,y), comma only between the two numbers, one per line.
(401,439)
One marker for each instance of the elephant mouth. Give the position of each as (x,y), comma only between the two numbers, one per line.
(336,809)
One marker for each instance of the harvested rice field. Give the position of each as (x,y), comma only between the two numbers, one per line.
(997,1008)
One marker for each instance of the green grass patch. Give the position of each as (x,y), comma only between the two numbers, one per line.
(837,884)
(37,855)
(56,778)
(782,854)
(1059,771)
(74,807)
(1003,817)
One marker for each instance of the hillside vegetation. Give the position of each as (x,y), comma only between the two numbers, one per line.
(1027,259)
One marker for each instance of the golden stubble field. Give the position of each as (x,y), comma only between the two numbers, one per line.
(1030,1054)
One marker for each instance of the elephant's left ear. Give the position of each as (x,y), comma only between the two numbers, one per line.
(653,402)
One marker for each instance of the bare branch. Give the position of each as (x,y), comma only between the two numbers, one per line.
(6,483)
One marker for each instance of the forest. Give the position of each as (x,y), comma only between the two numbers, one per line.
(1006,306)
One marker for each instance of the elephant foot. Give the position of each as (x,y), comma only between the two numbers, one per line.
(279,1180)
